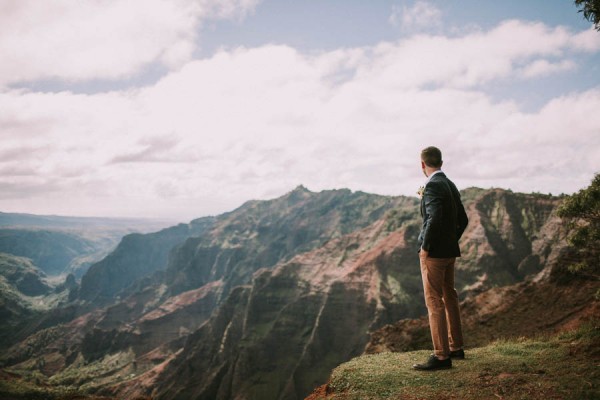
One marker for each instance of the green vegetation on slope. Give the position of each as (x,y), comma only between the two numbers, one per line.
(582,212)
(558,367)
(25,295)
(23,277)
(12,387)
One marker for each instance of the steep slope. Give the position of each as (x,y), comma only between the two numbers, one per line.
(277,336)
(505,241)
(263,233)
(137,256)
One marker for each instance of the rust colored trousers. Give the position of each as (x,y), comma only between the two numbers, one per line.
(441,300)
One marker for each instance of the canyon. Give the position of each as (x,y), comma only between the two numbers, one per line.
(264,301)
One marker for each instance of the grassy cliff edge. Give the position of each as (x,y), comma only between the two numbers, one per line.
(557,367)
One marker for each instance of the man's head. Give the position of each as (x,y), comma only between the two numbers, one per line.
(431,159)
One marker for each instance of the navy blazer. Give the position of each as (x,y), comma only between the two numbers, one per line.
(444,218)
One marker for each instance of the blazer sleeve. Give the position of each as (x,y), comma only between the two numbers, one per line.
(463,220)
(433,198)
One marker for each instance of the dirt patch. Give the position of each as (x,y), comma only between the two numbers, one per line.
(319,393)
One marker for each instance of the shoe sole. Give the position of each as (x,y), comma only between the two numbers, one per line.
(432,369)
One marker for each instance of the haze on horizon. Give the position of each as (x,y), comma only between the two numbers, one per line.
(180,109)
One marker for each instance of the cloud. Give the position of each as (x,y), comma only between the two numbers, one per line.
(255,122)
(153,150)
(469,60)
(422,16)
(96,39)
(586,41)
(544,67)
(8,154)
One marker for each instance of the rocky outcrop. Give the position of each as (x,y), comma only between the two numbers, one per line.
(509,236)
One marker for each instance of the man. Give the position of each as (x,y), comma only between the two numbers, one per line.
(444,221)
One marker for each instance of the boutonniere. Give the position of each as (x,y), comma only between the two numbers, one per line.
(421,191)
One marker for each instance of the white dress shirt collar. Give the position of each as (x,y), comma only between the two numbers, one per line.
(431,176)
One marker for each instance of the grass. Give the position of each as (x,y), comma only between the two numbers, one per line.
(559,367)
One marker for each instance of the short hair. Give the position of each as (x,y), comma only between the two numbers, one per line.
(432,156)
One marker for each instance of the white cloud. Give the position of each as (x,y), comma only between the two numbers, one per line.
(468,60)
(545,67)
(96,39)
(255,122)
(586,41)
(421,16)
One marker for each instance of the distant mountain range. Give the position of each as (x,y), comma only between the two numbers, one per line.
(62,245)
(55,222)
(264,301)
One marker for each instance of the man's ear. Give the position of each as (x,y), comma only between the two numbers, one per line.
(422,164)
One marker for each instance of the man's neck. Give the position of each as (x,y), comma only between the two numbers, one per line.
(431,172)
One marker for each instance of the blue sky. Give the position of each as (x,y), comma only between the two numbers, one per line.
(326,25)
(178,109)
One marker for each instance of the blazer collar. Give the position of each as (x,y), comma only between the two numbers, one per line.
(438,172)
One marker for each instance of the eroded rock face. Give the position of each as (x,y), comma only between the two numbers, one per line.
(503,241)
(137,256)
(263,233)
(525,309)
(277,336)
(272,296)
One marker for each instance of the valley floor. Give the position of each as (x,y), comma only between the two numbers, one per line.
(565,366)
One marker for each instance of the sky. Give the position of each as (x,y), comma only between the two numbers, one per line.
(184,108)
